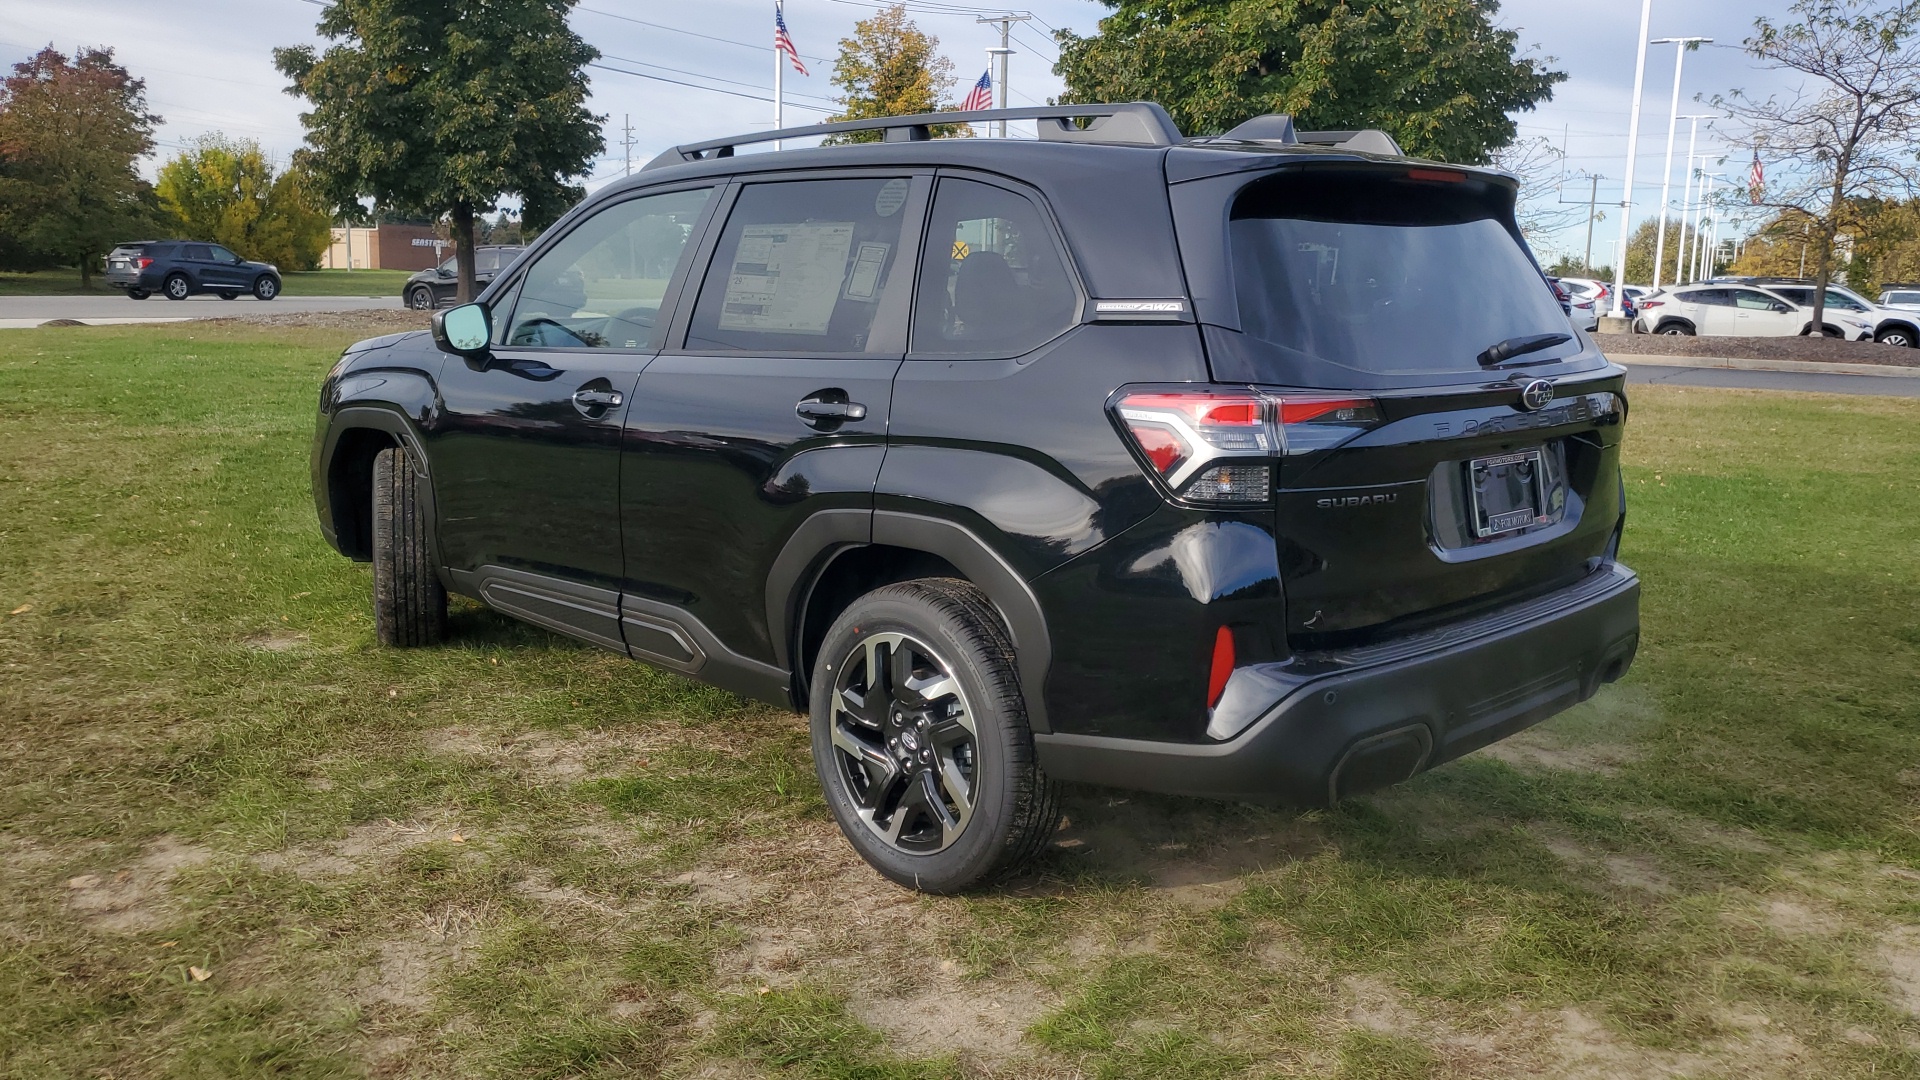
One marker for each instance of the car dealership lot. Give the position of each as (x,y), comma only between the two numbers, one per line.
(518,855)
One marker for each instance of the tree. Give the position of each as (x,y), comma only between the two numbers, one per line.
(1435,74)
(1851,135)
(890,67)
(1640,251)
(444,107)
(1538,165)
(226,191)
(70,133)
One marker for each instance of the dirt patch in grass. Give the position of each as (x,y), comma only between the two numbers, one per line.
(978,1021)
(366,847)
(1900,952)
(1820,349)
(275,641)
(133,898)
(546,757)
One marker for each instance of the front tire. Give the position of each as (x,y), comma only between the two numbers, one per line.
(921,741)
(1902,338)
(177,287)
(409,603)
(265,287)
(1675,329)
(421,299)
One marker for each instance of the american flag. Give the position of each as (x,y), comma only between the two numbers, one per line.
(784,43)
(1756,180)
(981,96)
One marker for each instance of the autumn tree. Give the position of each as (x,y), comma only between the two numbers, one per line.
(446,107)
(890,67)
(1849,131)
(1437,75)
(70,133)
(227,191)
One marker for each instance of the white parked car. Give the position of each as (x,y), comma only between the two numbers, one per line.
(1591,299)
(1891,326)
(1710,309)
(1901,299)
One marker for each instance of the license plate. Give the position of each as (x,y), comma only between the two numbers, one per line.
(1507,492)
(118,264)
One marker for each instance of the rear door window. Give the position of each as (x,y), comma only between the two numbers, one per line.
(992,278)
(1753,300)
(801,267)
(1709,297)
(1376,272)
(199,253)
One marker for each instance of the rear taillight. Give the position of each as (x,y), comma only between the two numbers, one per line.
(1649,303)
(143,262)
(1217,446)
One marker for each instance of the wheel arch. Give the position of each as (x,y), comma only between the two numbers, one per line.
(1670,320)
(357,436)
(837,556)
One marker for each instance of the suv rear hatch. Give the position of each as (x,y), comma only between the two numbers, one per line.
(1449,442)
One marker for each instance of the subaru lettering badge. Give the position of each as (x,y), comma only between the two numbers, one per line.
(1536,395)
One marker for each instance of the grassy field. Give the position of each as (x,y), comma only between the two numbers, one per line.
(297,283)
(236,839)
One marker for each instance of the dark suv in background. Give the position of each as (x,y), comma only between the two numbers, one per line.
(428,289)
(177,269)
(1200,466)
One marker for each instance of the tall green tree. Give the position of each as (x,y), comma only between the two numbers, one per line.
(890,67)
(1437,75)
(227,191)
(445,107)
(1849,130)
(70,133)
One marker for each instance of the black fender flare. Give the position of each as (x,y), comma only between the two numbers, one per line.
(385,418)
(813,546)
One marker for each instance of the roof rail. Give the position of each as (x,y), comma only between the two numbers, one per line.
(1133,123)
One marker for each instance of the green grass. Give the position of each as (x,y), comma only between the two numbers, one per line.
(517,856)
(296,283)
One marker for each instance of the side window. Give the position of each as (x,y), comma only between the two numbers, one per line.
(1752,301)
(221,254)
(486,260)
(600,286)
(1710,297)
(451,266)
(1843,301)
(197,253)
(992,279)
(801,267)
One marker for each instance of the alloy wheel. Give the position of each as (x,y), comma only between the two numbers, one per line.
(1896,338)
(904,741)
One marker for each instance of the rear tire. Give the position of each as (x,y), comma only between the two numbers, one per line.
(138,294)
(921,741)
(228,294)
(177,287)
(409,603)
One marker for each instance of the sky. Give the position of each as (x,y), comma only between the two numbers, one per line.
(208,67)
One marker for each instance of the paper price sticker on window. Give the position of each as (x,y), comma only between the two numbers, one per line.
(786,278)
(863,282)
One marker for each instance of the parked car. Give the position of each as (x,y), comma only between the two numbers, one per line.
(1900,297)
(1714,309)
(1630,297)
(428,289)
(1202,467)
(1598,295)
(1890,326)
(177,269)
(1578,304)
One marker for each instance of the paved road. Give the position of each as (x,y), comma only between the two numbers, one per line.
(29,310)
(1774,380)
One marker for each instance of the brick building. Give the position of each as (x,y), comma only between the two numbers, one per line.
(385,247)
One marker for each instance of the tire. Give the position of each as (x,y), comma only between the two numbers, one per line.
(420,298)
(266,287)
(409,603)
(968,749)
(1825,331)
(1675,329)
(138,294)
(228,294)
(1898,336)
(177,287)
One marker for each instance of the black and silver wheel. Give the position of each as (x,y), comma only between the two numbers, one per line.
(420,298)
(409,603)
(920,738)
(266,287)
(1896,335)
(177,287)
(1675,329)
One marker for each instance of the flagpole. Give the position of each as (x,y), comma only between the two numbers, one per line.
(779,74)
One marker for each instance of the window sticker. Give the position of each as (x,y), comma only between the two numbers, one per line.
(786,278)
(892,196)
(863,283)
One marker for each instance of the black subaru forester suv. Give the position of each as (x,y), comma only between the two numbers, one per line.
(1263,466)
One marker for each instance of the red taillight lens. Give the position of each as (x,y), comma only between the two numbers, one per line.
(1444,176)
(1650,303)
(1216,446)
(143,262)
(1297,410)
(1161,446)
(1221,669)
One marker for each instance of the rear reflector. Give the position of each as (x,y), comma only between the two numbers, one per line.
(1222,667)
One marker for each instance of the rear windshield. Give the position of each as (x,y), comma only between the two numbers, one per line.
(1341,272)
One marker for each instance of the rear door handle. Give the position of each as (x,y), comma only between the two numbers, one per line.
(597,399)
(823,411)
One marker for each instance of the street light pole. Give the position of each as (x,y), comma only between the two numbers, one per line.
(1633,146)
(1681,45)
(1680,257)
(1000,60)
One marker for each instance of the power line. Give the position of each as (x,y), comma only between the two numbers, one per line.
(709,89)
(712,78)
(690,33)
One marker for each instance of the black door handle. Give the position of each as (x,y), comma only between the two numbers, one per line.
(828,409)
(597,399)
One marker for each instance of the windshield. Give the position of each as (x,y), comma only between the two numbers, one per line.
(1383,273)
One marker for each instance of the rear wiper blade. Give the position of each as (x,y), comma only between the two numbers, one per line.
(1520,346)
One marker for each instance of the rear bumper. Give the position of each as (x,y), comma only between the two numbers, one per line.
(1343,723)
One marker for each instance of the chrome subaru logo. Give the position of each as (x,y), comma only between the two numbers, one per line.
(1536,395)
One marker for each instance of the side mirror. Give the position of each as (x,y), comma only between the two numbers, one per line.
(463,331)
(1784,309)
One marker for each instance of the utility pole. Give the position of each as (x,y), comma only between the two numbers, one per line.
(1592,196)
(999,61)
(627,141)
(1633,147)
(1681,45)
